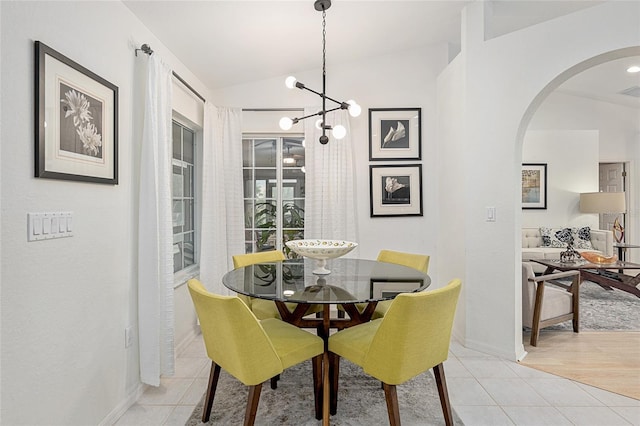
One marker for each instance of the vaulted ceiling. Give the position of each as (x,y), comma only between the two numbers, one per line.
(225,43)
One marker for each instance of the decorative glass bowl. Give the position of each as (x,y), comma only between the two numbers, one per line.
(598,259)
(321,250)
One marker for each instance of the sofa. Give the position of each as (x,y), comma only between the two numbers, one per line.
(540,243)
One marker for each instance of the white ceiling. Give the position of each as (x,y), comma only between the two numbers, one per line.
(605,82)
(229,42)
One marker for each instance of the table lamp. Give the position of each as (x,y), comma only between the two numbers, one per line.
(605,202)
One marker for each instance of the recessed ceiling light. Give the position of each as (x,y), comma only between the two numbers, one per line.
(633,69)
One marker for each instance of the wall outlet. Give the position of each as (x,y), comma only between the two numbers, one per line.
(128,336)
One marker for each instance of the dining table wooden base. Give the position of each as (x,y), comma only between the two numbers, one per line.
(323,325)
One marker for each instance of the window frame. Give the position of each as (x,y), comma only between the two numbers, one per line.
(191,271)
(279,176)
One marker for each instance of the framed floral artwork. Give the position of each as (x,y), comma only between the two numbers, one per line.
(534,186)
(76,121)
(395,134)
(396,190)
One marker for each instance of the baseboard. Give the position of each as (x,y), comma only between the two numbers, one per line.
(182,346)
(134,395)
(124,405)
(492,350)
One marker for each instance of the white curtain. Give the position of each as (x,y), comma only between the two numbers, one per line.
(222,195)
(330,208)
(155,232)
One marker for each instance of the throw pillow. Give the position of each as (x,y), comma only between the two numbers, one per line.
(549,238)
(582,238)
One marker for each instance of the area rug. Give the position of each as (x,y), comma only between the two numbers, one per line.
(603,310)
(360,400)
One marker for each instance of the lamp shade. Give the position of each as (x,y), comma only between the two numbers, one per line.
(602,202)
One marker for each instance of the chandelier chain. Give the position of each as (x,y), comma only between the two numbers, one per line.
(324,42)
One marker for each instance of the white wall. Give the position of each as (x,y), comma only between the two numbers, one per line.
(572,168)
(502,78)
(405,79)
(452,255)
(66,302)
(617,125)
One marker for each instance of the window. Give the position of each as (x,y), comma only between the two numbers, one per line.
(274,186)
(183,197)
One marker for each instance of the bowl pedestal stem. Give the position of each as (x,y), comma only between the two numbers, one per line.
(321,267)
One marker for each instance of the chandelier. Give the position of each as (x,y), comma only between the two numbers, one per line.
(354,109)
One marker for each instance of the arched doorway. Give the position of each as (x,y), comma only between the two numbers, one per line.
(606,145)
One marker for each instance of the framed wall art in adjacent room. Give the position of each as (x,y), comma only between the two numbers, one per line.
(76,121)
(396,190)
(395,134)
(534,186)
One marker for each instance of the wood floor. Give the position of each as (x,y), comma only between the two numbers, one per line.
(607,360)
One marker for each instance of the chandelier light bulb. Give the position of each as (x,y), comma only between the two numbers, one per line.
(354,109)
(633,69)
(319,124)
(339,132)
(290,82)
(286,123)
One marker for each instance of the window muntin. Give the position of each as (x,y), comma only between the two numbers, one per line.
(274,182)
(183,197)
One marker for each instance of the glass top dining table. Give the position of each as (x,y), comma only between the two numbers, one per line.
(351,282)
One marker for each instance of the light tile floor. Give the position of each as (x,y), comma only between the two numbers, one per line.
(484,390)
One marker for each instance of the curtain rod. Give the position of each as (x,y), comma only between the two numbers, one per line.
(188,86)
(145,48)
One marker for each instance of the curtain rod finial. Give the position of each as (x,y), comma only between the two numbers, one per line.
(146,49)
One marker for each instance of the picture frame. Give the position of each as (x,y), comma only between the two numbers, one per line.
(76,121)
(395,190)
(382,288)
(395,134)
(534,186)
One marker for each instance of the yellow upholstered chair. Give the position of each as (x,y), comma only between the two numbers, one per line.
(415,261)
(546,302)
(260,307)
(249,349)
(411,338)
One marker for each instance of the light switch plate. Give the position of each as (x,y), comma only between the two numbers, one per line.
(491,214)
(46,226)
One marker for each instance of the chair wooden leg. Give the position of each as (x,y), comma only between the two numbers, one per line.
(537,309)
(441,381)
(214,374)
(575,290)
(252,404)
(391,396)
(274,381)
(334,373)
(316,362)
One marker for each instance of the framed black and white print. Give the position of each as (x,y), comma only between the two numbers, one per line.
(395,134)
(76,121)
(396,190)
(534,186)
